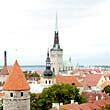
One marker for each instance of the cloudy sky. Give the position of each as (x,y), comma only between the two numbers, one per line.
(27,30)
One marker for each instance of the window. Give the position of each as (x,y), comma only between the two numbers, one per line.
(49,81)
(46,81)
(73,84)
(11,94)
(21,93)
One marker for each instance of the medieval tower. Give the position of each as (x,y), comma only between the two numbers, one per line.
(48,75)
(16,91)
(56,53)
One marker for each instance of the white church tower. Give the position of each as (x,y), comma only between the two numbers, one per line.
(56,53)
(16,91)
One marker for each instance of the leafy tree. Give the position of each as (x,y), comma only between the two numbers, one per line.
(58,93)
(107,89)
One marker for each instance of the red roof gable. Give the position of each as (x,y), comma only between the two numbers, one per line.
(16,79)
(68,79)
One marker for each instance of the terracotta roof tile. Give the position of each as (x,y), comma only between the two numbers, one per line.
(86,106)
(68,79)
(16,79)
(92,79)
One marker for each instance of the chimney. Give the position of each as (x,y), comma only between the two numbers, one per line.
(5,58)
(97,98)
(55,105)
(72,101)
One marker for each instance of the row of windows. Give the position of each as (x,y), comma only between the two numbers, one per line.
(11,94)
(49,82)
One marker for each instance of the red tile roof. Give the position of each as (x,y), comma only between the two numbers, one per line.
(92,79)
(69,80)
(16,79)
(86,106)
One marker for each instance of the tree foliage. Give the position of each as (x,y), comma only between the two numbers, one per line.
(58,93)
(107,89)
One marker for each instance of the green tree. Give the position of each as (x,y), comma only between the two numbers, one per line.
(107,89)
(58,93)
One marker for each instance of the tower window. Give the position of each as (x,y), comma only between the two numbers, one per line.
(11,94)
(21,93)
(49,81)
(46,81)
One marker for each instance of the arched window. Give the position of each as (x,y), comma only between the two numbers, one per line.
(46,82)
(49,81)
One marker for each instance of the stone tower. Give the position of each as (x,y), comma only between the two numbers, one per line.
(56,53)
(16,91)
(48,75)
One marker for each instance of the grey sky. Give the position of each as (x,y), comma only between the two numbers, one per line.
(27,30)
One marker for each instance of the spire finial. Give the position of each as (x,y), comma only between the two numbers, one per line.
(48,53)
(56,25)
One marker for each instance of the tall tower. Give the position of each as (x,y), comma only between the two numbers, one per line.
(48,75)
(56,53)
(16,91)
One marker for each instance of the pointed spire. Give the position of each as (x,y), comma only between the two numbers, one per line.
(5,58)
(48,65)
(56,45)
(16,79)
(56,25)
(48,53)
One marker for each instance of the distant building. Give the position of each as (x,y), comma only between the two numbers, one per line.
(48,75)
(16,90)
(56,53)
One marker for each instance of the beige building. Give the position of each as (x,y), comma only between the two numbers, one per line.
(16,91)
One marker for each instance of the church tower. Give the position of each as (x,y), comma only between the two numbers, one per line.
(48,75)
(56,53)
(16,91)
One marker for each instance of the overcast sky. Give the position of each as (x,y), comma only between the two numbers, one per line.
(27,30)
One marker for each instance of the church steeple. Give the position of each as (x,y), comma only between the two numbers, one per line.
(48,65)
(56,45)
(48,72)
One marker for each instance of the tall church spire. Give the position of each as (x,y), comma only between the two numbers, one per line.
(56,45)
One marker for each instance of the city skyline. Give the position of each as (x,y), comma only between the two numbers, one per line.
(27,30)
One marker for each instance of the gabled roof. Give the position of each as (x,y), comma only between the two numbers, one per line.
(16,80)
(68,79)
(92,79)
